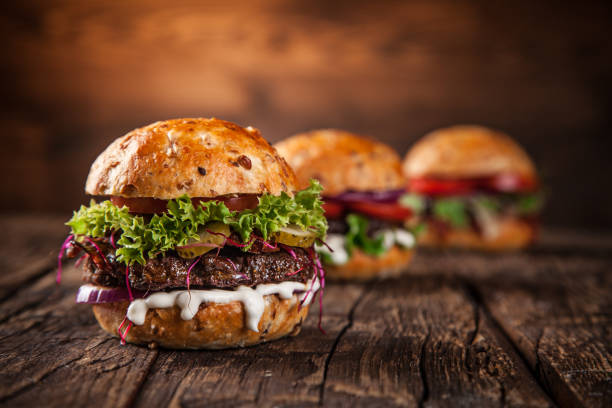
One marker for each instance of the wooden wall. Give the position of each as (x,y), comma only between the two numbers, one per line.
(76,75)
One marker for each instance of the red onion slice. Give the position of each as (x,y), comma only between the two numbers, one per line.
(368,196)
(95,294)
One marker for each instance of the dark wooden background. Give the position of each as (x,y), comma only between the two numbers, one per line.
(76,75)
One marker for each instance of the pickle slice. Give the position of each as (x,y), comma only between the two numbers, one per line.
(293,235)
(191,251)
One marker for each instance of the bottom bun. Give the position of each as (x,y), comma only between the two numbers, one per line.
(363,267)
(215,325)
(513,234)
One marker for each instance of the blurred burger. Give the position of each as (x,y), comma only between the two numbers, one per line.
(203,241)
(362,182)
(475,187)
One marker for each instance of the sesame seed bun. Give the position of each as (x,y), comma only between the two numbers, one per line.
(466,152)
(364,267)
(198,157)
(513,234)
(214,326)
(342,161)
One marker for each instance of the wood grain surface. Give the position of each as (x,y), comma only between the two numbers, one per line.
(458,329)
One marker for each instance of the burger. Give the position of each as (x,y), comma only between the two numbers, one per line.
(197,238)
(362,181)
(474,187)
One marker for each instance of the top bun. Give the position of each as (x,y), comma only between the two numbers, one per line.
(198,157)
(466,152)
(342,161)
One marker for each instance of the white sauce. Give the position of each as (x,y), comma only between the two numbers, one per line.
(404,238)
(487,221)
(340,256)
(338,253)
(253,300)
(388,238)
(397,236)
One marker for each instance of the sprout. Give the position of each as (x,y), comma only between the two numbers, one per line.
(112,239)
(296,272)
(78,262)
(91,241)
(123,335)
(127,282)
(232,263)
(190,268)
(65,245)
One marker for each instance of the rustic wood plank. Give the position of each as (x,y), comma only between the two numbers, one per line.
(561,324)
(286,372)
(564,239)
(420,340)
(555,245)
(423,341)
(28,247)
(54,354)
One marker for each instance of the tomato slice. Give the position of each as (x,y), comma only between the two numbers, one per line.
(503,182)
(141,205)
(441,187)
(332,209)
(510,182)
(385,211)
(144,205)
(239,203)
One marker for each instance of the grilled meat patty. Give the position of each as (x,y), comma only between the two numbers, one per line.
(231,268)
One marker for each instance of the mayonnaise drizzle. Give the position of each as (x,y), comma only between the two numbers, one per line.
(253,300)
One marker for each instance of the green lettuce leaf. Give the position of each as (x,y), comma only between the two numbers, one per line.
(452,211)
(529,204)
(275,212)
(357,237)
(415,202)
(418,229)
(488,202)
(140,240)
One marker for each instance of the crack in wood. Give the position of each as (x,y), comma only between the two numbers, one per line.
(476,296)
(344,329)
(472,335)
(502,393)
(27,306)
(423,372)
(476,307)
(33,326)
(175,397)
(259,389)
(139,386)
(538,364)
(35,381)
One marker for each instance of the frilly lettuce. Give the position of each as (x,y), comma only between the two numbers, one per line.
(357,236)
(140,240)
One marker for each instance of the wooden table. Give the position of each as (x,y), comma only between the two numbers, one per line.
(459,329)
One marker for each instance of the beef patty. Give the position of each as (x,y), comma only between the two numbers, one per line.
(231,268)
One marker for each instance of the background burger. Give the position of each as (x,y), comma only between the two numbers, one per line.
(475,187)
(362,182)
(204,242)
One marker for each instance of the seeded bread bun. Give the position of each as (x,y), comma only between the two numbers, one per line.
(363,267)
(466,152)
(215,325)
(198,157)
(342,161)
(513,234)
